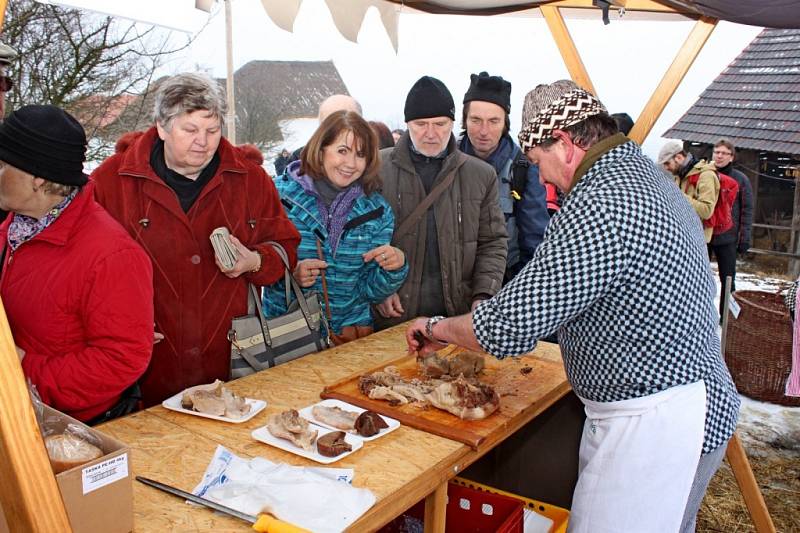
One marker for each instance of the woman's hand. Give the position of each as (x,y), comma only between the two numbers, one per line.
(307,271)
(391,307)
(249,261)
(387,256)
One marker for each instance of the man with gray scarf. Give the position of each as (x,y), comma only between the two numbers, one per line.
(449,222)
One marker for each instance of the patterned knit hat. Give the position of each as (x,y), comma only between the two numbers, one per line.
(555,107)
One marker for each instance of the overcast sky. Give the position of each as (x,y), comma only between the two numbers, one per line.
(625,59)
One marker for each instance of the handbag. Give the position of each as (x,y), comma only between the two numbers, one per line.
(258,343)
(349,333)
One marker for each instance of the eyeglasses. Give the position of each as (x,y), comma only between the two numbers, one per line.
(722,152)
(6,84)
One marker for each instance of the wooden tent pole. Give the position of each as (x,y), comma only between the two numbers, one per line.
(572,59)
(29,494)
(3,4)
(672,78)
(231,94)
(751,494)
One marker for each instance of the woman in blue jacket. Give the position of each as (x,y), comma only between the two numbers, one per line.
(331,195)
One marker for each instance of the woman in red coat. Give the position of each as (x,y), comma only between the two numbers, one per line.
(77,290)
(170,187)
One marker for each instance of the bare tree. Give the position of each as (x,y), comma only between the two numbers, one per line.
(96,67)
(256,118)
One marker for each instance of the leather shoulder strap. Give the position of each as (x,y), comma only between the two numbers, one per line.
(425,204)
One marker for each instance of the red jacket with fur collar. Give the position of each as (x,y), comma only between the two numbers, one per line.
(194,301)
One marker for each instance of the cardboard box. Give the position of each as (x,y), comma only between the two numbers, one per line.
(98,495)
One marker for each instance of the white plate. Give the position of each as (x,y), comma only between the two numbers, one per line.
(262,434)
(256,406)
(307,414)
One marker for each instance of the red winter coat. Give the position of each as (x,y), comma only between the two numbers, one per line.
(194,301)
(79,300)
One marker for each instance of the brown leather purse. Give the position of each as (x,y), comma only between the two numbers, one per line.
(349,333)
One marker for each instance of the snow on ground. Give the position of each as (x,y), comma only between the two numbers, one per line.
(774,425)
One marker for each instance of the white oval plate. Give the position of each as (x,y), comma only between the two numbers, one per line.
(306,413)
(262,434)
(174,404)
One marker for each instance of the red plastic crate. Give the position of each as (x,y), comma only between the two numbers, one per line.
(468,511)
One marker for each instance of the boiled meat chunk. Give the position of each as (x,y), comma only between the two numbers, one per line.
(335,417)
(465,400)
(290,426)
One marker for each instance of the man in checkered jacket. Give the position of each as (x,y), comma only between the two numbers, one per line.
(623,277)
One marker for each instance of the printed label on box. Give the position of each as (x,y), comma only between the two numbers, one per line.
(102,474)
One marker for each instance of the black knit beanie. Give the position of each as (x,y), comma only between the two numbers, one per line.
(487,88)
(429,98)
(45,141)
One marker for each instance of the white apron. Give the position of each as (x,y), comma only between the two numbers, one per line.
(638,459)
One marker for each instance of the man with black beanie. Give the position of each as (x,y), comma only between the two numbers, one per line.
(449,222)
(523,200)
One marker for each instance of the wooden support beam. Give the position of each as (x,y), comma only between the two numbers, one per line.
(3,4)
(672,78)
(28,493)
(629,5)
(751,494)
(435,509)
(572,59)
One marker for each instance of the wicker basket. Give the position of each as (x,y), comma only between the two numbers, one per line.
(758,348)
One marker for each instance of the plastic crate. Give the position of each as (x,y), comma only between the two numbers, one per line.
(468,511)
(558,515)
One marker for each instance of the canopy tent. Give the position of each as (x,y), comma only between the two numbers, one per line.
(24,467)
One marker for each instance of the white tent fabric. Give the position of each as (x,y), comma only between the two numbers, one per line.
(347,16)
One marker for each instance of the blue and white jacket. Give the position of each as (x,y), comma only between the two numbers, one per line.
(352,284)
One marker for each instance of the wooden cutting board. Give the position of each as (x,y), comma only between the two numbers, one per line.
(521,394)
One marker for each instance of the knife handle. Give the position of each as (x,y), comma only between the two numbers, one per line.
(269,524)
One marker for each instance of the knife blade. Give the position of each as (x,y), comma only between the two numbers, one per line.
(262,522)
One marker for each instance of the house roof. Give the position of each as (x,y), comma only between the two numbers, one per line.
(292,89)
(755,102)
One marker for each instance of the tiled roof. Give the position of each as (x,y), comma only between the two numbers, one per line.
(755,102)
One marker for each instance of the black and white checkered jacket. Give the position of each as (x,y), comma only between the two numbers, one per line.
(623,276)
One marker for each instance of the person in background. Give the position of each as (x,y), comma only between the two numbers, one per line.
(281,161)
(77,290)
(7,55)
(333,103)
(331,195)
(396,134)
(170,187)
(523,200)
(739,238)
(696,179)
(624,122)
(456,248)
(637,330)
(385,138)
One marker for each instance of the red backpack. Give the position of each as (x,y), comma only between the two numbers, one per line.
(722,218)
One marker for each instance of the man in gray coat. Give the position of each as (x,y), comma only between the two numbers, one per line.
(455,242)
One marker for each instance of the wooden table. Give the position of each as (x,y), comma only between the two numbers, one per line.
(401,468)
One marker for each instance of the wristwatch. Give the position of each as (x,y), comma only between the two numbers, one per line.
(429,328)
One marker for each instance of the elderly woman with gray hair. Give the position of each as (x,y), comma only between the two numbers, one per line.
(170,187)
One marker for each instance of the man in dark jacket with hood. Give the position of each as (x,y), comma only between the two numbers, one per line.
(738,239)
(456,245)
(523,200)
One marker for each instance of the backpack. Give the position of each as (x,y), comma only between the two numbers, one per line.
(722,218)
(519,175)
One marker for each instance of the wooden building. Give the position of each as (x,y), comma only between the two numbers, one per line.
(755,103)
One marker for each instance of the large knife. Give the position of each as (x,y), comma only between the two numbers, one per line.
(263,522)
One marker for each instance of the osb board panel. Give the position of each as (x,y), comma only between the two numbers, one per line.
(175,456)
(522,395)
